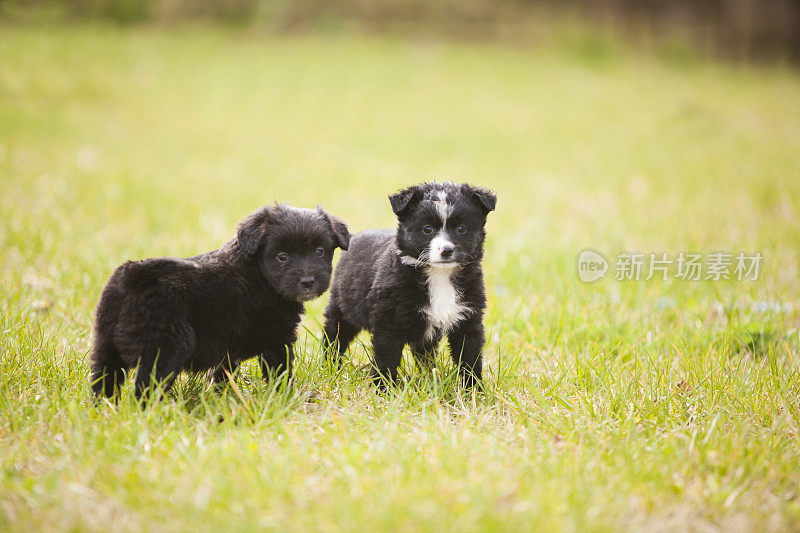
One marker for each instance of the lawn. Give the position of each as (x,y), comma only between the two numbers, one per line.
(655,404)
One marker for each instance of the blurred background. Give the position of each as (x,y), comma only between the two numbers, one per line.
(751,30)
(135,128)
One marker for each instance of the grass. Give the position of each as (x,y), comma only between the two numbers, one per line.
(643,405)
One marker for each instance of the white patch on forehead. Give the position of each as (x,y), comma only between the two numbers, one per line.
(445,309)
(443,208)
(303,210)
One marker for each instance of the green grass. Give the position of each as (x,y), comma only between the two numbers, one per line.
(646,405)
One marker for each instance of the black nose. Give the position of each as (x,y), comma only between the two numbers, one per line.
(447,251)
(307,281)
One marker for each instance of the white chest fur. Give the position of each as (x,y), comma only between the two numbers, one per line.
(445,308)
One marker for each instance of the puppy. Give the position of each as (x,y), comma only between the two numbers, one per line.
(418,283)
(214,310)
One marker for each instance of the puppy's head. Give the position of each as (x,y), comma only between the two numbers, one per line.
(294,248)
(442,224)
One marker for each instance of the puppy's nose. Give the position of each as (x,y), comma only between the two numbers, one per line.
(447,251)
(307,281)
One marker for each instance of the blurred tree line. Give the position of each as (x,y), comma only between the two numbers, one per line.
(747,30)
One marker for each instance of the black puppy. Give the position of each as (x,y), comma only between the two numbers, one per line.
(415,284)
(219,308)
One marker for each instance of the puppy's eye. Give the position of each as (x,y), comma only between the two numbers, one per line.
(319,252)
(461,228)
(282,257)
(427,229)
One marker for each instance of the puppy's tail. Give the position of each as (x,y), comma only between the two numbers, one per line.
(106,363)
(146,272)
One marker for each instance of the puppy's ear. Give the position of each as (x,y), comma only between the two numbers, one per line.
(486,199)
(340,232)
(402,200)
(252,230)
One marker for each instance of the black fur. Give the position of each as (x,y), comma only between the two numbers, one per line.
(374,289)
(216,309)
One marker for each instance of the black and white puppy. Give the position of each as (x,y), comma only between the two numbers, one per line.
(214,310)
(418,283)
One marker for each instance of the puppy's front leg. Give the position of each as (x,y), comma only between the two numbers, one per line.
(224,371)
(466,344)
(388,353)
(277,362)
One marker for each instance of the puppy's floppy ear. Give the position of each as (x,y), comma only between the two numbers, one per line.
(404,199)
(338,227)
(252,230)
(486,198)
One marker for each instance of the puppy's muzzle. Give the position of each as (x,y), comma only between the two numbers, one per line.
(446,252)
(307,289)
(442,251)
